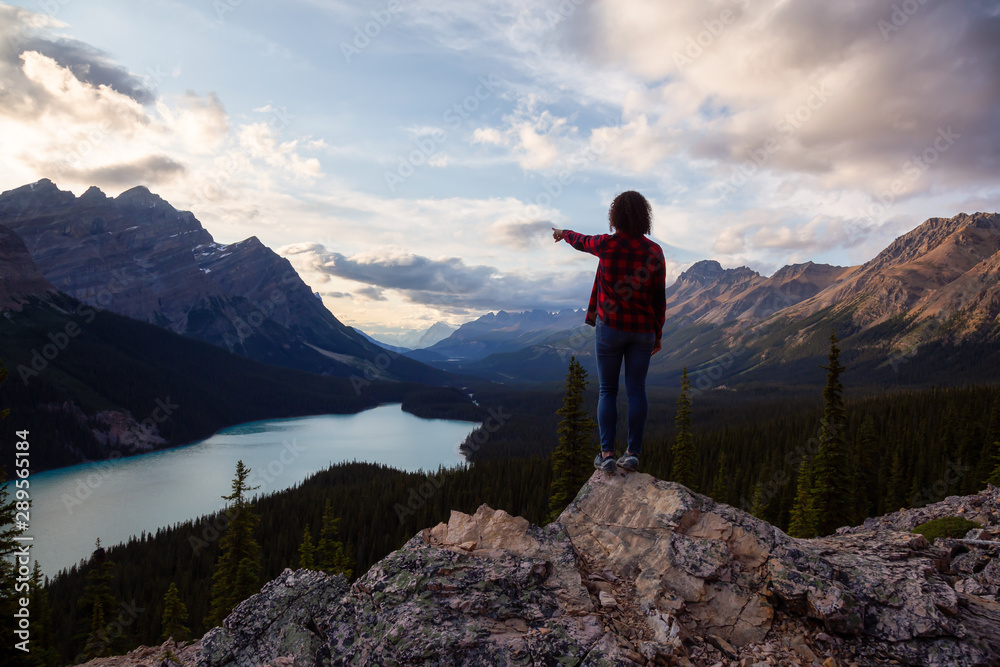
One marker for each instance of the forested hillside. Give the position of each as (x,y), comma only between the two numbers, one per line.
(910,448)
(114,386)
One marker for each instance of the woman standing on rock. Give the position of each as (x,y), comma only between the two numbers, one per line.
(627,306)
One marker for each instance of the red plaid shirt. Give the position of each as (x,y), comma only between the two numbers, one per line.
(629,288)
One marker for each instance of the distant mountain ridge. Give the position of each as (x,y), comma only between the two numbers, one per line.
(417,339)
(499,332)
(137,256)
(708,293)
(934,291)
(944,268)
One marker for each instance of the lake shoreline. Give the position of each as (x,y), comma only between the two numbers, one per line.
(117,499)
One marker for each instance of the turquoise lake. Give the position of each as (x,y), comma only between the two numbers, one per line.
(113,500)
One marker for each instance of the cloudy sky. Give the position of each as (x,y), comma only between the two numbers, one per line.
(409,156)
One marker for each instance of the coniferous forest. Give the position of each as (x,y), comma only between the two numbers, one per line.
(906,449)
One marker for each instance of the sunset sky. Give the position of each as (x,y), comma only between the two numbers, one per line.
(409,157)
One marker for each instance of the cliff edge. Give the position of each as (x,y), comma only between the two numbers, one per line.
(635,571)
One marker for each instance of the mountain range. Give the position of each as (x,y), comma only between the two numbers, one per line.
(923,310)
(415,340)
(125,329)
(137,256)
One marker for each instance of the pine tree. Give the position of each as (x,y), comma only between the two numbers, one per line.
(894,488)
(8,565)
(570,460)
(307,551)
(994,477)
(833,493)
(97,594)
(866,474)
(759,500)
(990,456)
(237,573)
(683,468)
(331,557)
(175,613)
(720,485)
(802,522)
(43,652)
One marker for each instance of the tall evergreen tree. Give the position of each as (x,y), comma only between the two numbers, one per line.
(43,652)
(802,522)
(307,551)
(994,477)
(237,573)
(331,557)
(894,491)
(865,477)
(98,596)
(759,500)
(175,614)
(683,467)
(720,485)
(833,492)
(570,460)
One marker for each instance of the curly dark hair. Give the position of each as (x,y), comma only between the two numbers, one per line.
(630,214)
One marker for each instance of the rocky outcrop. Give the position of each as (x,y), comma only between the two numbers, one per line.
(636,571)
(279,621)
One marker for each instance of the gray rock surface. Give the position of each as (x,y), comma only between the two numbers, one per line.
(636,571)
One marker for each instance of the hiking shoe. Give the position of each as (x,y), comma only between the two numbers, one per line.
(605,464)
(628,462)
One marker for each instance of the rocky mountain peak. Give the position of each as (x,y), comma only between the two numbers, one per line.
(702,271)
(94,195)
(928,236)
(636,571)
(140,195)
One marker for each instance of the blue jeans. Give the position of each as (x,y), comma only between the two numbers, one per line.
(635,349)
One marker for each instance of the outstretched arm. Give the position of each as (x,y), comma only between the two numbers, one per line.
(581,242)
